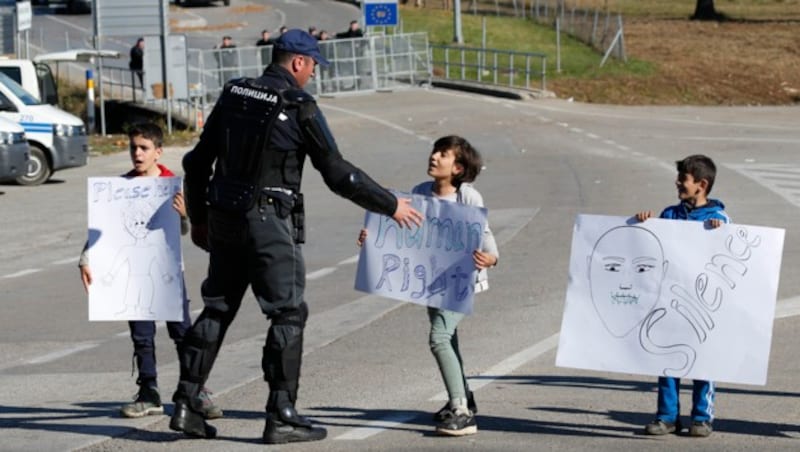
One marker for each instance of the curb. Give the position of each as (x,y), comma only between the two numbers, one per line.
(494,91)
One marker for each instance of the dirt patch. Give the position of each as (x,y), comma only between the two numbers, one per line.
(754,61)
(701,63)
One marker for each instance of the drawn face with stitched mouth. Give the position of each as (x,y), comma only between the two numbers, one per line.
(626,269)
(137,221)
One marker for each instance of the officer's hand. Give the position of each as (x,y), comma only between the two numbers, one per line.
(86,277)
(406,215)
(200,235)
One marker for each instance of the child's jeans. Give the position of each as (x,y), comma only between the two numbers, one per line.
(143,333)
(669,406)
(444,345)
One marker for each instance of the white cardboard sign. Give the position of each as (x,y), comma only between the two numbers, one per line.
(671,298)
(429,265)
(134,249)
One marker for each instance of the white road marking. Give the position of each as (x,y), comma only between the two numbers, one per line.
(320,273)
(27,271)
(70,260)
(58,354)
(375,427)
(738,139)
(500,369)
(788,307)
(379,121)
(349,260)
(782,179)
(67,23)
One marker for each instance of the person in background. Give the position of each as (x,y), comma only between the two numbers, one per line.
(136,64)
(227,59)
(353,31)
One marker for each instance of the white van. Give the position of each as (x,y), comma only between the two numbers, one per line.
(57,139)
(35,77)
(13,150)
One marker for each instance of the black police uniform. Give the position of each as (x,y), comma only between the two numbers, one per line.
(257,139)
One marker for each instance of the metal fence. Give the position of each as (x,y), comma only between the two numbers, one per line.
(359,64)
(524,70)
(600,29)
(375,62)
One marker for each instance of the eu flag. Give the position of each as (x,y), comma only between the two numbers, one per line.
(380,14)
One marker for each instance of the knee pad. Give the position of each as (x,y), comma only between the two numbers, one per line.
(213,301)
(283,351)
(199,347)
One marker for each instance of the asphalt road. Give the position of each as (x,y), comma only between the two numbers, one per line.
(368,375)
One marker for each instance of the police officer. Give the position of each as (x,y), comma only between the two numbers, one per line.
(248,213)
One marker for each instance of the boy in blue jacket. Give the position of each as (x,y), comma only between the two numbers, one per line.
(696,175)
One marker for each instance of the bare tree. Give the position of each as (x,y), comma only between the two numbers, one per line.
(704,10)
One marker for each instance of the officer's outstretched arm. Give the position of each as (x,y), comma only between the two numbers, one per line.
(341,176)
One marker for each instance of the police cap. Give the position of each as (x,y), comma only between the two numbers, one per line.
(300,42)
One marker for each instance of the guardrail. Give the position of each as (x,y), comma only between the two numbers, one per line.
(490,66)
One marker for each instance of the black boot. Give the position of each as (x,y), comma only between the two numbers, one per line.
(289,427)
(284,425)
(190,422)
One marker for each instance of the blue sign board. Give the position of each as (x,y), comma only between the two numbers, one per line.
(380,13)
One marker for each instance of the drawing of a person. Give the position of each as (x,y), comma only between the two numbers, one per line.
(625,271)
(142,259)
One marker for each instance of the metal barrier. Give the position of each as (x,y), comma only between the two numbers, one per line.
(122,83)
(375,62)
(361,64)
(601,30)
(490,66)
(598,28)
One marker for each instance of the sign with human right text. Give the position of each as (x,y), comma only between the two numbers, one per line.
(431,265)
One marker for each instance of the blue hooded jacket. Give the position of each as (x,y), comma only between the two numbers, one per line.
(714,209)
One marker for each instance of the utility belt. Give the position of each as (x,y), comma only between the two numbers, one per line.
(286,203)
(230,195)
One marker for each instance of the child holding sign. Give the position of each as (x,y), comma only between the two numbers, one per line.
(145,141)
(454,164)
(696,175)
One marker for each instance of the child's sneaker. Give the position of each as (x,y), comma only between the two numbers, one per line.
(660,427)
(441,415)
(700,429)
(210,410)
(147,402)
(458,423)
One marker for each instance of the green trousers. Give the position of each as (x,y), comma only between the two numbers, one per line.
(443,340)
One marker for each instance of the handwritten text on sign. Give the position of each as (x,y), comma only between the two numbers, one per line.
(671,298)
(430,265)
(134,249)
